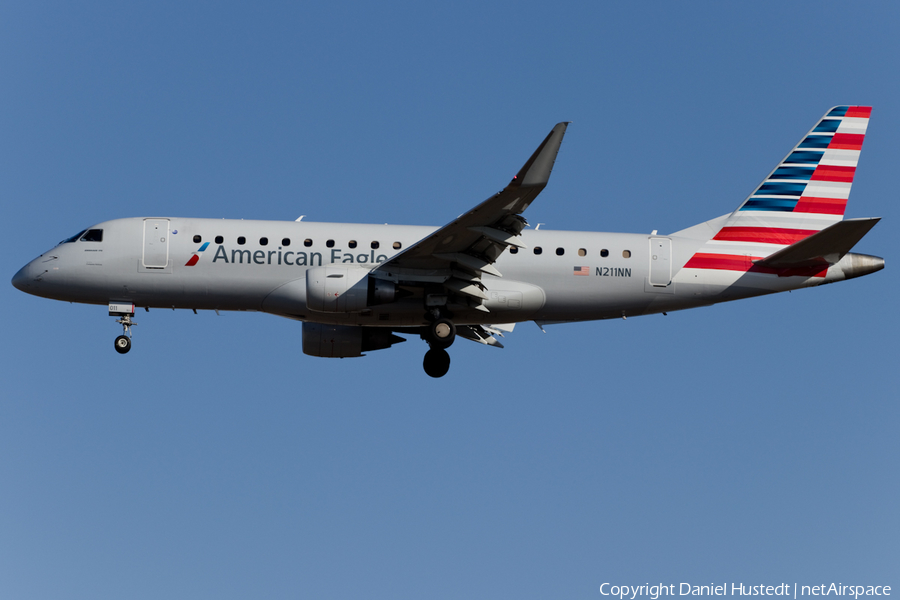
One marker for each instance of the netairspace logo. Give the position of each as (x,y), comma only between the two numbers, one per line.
(654,592)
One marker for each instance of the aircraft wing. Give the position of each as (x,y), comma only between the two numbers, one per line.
(459,253)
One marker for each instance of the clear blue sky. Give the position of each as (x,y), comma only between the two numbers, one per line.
(751,442)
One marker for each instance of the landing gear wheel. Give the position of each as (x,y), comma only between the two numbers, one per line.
(437,362)
(123,344)
(442,333)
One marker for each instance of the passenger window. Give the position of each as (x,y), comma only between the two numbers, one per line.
(604,253)
(538,249)
(375,245)
(352,243)
(330,243)
(197,239)
(263,241)
(397,245)
(513,250)
(626,253)
(219,239)
(307,242)
(286,241)
(242,240)
(582,252)
(93,235)
(560,251)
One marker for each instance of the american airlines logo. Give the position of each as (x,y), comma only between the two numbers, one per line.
(195,257)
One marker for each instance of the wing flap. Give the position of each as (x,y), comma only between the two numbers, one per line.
(477,333)
(467,260)
(466,288)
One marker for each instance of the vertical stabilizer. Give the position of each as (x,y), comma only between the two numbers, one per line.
(808,190)
(806,193)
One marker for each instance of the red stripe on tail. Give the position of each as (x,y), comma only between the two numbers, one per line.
(822,206)
(833,173)
(847,141)
(859,111)
(763,235)
(732,262)
(725,262)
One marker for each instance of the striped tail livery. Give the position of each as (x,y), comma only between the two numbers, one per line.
(799,206)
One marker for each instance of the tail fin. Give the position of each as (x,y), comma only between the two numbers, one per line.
(808,190)
(805,194)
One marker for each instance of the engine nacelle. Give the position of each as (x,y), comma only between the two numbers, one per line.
(346,289)
(345,341)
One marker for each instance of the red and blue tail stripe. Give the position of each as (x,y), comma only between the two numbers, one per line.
(805,193)
(828,155)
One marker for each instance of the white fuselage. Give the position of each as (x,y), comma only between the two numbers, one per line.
(262,265)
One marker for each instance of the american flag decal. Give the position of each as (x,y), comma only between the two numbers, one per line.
(582,271)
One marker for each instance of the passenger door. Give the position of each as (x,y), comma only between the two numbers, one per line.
(156,244)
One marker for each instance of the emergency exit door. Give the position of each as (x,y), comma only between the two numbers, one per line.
(660,261)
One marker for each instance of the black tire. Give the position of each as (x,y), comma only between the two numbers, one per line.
(123,344)
(442,333)
(436,363)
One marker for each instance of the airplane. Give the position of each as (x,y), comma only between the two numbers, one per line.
(355,287)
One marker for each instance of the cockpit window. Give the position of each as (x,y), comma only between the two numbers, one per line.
(92,235)
(74,237)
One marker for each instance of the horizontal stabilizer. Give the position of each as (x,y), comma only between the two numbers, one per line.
(824,247)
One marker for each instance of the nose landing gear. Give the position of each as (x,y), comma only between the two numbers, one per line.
(124,312)
(123,342)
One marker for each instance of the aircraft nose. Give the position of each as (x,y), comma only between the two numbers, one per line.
(22,278)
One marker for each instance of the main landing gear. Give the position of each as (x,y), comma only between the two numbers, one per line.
(440,335)
(123,342)
(436,363)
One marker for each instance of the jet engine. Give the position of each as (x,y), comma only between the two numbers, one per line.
(346,289)
(345,341)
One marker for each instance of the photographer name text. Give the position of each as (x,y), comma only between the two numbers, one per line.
(654,592)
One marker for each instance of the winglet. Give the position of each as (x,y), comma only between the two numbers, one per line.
(536,172)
